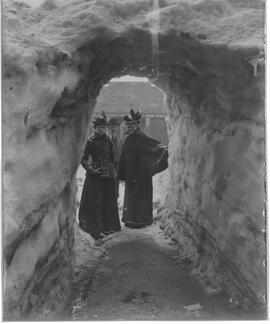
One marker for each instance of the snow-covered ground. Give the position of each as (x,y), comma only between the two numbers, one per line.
(139,276)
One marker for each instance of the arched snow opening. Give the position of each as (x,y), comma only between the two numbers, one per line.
(116,99)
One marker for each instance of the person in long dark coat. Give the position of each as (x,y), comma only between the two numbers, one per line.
(141,158)
(98,213)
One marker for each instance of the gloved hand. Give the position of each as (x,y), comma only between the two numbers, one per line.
(94,171)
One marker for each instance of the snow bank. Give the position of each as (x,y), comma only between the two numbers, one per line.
(207,57)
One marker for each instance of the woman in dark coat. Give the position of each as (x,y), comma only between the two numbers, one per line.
(141,158)
(98,213)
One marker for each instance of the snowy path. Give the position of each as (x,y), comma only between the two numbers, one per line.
(140,278)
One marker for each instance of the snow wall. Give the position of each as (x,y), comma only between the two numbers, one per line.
(208,58)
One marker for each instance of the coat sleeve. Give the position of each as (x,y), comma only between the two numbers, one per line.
(112,157)
(85,157)
(154,156)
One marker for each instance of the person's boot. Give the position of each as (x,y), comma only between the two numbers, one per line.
(98,236)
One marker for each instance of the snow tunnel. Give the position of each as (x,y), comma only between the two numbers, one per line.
(207,56)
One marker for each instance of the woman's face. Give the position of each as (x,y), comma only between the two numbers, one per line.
(101,129)
(112,129)
(132,128)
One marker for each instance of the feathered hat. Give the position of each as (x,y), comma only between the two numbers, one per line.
(100,119)
(134,117)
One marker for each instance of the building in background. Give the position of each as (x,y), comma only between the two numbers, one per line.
(117,98)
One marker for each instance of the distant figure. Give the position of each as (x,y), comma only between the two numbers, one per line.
(114,132)
(98,213)
(141,158)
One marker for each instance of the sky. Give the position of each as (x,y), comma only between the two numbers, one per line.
(129,78)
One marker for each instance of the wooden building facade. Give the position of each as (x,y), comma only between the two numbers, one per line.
(117,98)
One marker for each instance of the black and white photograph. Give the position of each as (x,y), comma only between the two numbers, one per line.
(134,160)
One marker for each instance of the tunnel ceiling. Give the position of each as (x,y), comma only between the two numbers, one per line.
(198,44)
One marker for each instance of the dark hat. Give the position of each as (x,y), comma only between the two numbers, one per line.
(115,121)
(100,119)
(133,117)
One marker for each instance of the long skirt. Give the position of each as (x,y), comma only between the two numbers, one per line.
(98,211)
(138,206)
